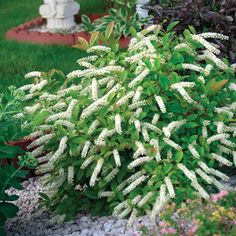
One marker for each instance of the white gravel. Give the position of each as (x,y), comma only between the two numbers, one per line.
(32,220)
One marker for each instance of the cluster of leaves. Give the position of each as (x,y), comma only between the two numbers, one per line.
(211,218)
(122,14)
(122,4)
(11,175)
(69,180)
(204,15)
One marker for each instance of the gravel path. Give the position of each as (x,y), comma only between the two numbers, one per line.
(34,221)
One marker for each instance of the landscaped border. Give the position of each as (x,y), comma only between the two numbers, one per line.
(21,33)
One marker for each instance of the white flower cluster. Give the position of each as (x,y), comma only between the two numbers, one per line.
(70,174)
(33,74)
(206,44)
(160,103)
(135,184)
(112,174)
(94,89)
(139,78)
(39,86)
(155,144)
(140,150)
(187,172)
(188,66)
(87,59)
(211,56)
(158,206)
(214,36)
(87,162)
(85,149)
(96,172)
(221,159)
(99,48)
(60,150)
(139,161)
(98,103)
(125,98)
(170,187)
(145,134)
(40,141)
(172,143)
(204,176)
(93,126)
(118,124)
(145,199)
(117,157)
(217,137)
(137,94)
(173,125)
(180,87)
(200,190)
(65,123)
(193,151)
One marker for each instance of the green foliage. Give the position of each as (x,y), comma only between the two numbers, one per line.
(10,176)
(10,101)
(122,14)
(132,124)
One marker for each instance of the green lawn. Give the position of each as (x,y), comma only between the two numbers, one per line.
(16,59)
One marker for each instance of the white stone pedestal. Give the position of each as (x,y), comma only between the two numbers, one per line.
(59,13)
(143,13)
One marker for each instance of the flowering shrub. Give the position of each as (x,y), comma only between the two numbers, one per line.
(134,130)
(217,217)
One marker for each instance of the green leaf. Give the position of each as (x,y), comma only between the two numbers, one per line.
(91,194)
(179,156)
(167,168)
(191,125)
(192,29)
(214,86)
(40,118)
(109,30)
(171,25)
(44,196)
(85,20)
(8,209)
(93,38)
(163,81)
(9,151)
(84,44)
(133,31)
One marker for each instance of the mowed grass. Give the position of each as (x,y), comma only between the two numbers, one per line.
(16,59)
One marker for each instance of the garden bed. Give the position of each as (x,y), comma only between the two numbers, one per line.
(25,33)
(32,220)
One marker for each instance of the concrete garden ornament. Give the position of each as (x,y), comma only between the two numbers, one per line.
(59,13)
(143,13)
